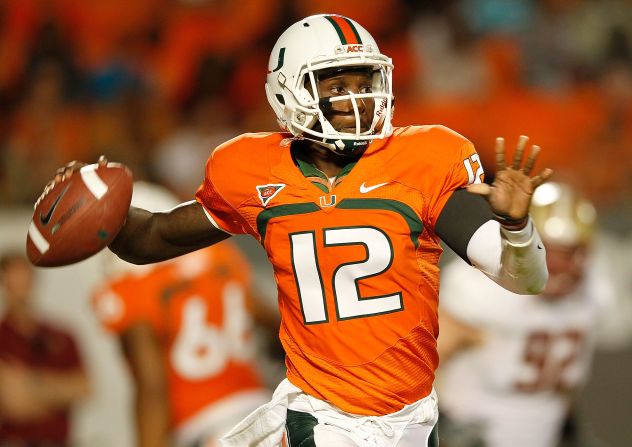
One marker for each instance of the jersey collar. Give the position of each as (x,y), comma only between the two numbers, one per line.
(318,177)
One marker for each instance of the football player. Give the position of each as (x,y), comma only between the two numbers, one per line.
(186,329)
(42,375)
(511,365)
(351,212)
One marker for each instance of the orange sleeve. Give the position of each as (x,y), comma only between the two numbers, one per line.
(220,192)
(464,170)
(449,163)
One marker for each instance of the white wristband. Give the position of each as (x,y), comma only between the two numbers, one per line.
(520,238)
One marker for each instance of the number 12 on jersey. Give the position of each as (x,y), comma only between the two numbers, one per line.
(349,303)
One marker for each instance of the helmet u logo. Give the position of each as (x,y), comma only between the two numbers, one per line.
(280,61)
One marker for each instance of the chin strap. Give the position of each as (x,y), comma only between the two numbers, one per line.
(341,147)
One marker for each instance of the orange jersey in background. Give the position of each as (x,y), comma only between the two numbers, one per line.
(357,267)
(197,305)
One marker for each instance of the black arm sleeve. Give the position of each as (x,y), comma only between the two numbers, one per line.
(462,215)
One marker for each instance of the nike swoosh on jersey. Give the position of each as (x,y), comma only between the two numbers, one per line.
(45,218)
(364,189)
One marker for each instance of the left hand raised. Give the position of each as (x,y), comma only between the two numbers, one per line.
(509,196)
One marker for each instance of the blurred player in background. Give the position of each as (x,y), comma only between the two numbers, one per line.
(186,328)
(512,365)
(41,373)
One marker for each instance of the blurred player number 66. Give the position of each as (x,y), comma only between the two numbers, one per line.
(80,215)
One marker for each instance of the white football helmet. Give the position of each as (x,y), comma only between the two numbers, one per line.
(562,216)
(325,42)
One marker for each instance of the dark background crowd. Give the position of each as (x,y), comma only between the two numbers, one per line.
(157,83)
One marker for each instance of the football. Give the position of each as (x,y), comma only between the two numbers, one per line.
(80,215)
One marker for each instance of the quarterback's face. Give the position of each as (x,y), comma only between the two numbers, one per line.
(341,114)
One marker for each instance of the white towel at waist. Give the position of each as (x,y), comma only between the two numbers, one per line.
(263,427)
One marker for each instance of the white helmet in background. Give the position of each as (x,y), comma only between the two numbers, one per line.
(567,223)
(148,196)
(326,42)
(562,216)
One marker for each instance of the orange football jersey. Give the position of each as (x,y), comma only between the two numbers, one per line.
(357,268)
(198,306)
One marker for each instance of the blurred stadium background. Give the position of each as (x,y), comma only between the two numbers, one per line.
(157,83)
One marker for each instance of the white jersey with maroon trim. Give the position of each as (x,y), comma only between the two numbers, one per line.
(517,384)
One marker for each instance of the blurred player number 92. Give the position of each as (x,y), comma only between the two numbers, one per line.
(80,215)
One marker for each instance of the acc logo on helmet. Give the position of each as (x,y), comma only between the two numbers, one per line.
(354,48)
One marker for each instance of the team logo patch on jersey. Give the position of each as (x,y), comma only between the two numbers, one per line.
(329,200)
(267,192)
